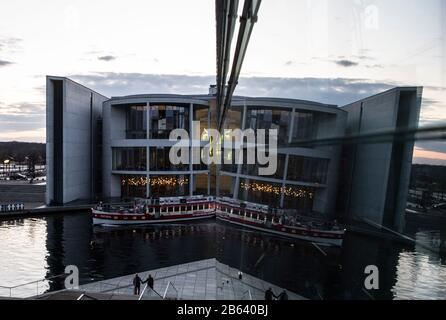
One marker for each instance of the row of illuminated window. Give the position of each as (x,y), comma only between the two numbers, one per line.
(163,185)
(304,169)
(268,193)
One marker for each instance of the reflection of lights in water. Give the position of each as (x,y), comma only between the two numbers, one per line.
(420,274)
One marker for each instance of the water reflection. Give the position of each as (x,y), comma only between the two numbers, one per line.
(37,248)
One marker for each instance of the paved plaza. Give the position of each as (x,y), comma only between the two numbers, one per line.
(200,280)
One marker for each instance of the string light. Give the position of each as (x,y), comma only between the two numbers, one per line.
(134,181)
(289,191)
(168,181)
(156,181)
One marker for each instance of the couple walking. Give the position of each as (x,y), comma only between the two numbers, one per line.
(137,283)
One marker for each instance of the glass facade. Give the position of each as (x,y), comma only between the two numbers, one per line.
(165,118)
(201,184)
(136,121)
(129,159)
(304,126)
(159,160)
(295,197)
(298,198)
(234,118)
(261,118)
(226,185)
(253,169)
(169,185)
(267,193)
(306,169)
(201,114)
(133,186)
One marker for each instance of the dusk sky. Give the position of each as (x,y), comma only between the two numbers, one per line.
(332,51)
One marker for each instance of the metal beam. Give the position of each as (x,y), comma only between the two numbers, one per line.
(247,21)
(226,15)
(399,135)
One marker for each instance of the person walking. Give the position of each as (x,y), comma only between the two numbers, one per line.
(149,281)
(136,284)
(283,295)
(269,295)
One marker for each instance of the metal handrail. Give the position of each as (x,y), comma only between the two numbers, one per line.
(144,290)
(32,282)
(249,295)
(167,287)
(85,295)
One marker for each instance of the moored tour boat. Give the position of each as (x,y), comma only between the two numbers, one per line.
(260,218)
(153,211)
(250,215)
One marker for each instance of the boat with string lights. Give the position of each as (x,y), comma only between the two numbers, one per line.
(155,211)
(279,222)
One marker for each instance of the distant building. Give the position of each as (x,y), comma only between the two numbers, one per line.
(119,147)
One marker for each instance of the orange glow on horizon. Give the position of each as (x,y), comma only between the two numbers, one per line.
(426,154)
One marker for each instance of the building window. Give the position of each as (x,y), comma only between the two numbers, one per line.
(129,159)
(261,118)
(226,186)
(136,121)
(295,197)
(133,186)
(233,118)
(201,184)
(159,160)
(253,169)
(298,198)
(267,193)
(306,169)
(304,126)
(201,114)
(165,118)
(169,185)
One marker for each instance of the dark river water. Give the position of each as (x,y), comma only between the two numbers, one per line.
(37,248)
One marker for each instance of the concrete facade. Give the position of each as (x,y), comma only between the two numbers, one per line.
(71,116)
(377,174)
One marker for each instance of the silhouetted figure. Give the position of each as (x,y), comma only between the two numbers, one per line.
(269,294)
(283,295)
(136,284)
(240,275)
(149,281)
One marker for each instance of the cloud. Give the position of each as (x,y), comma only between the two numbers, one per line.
(426,156)
(9,44)
(19,121)
(107,58)
(22,109)
(339,91)
(4,63)
(346,63)
(34,135)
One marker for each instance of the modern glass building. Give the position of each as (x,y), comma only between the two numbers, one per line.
(306,177)
(99,147)
(136,146)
